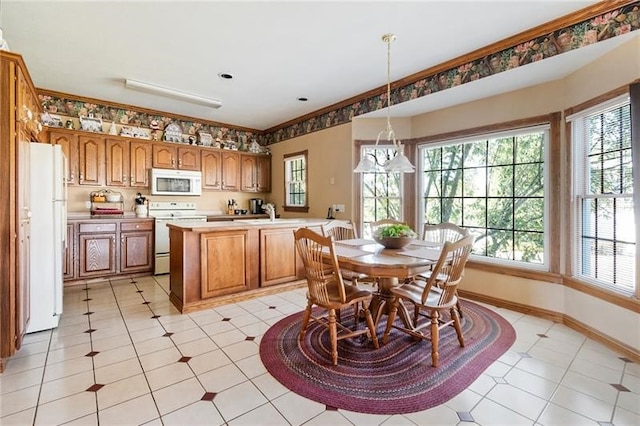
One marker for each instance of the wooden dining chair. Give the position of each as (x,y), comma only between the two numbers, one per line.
(440,233)
(431,301)
(345,230)
(327,290)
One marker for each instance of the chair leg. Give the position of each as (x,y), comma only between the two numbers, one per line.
(305,320)
(372,327)
(333,336)
(458,306)
(456,325)
(390,319)
(435,336)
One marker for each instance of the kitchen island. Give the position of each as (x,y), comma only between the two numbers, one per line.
(220,262)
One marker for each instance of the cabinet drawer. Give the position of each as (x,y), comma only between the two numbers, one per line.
(97,227)
(136,226)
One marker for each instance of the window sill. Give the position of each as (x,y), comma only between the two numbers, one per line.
(624,301)
(297,209)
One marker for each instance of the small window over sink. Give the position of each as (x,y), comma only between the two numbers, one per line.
(295,175)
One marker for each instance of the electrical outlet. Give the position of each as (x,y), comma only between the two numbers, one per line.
(87,204)
(338,208)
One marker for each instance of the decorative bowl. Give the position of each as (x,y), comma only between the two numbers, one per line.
(393,242)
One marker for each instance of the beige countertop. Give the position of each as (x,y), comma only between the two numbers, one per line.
(245,224)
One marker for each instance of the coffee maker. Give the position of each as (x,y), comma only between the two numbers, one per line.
(255,205)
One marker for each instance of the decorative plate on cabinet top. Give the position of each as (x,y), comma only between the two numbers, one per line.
(91,124)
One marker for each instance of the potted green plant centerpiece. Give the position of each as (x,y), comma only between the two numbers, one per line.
(394,236)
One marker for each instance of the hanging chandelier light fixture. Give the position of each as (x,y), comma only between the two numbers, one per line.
(400,163)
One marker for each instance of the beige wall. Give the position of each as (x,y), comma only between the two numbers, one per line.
(329,171)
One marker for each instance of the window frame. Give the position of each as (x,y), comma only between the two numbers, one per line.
(503,132)
(579,192)
(288,158)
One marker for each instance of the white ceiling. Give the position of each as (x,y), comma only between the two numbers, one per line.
(276,51)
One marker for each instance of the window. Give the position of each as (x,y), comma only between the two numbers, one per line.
(381,192)
(295,172)
(494,186)
(605,245)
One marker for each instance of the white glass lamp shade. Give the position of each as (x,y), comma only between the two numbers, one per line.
(366,165)
(399,164)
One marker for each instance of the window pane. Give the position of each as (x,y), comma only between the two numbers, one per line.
(501,181)
(432,213)
(500,213)
(500,244)
(529,180)
(500,151)
(451,210)
(452,183)
(431,184)
(475,211)
(431,159)
(529,148)
(476,154)
(529,214)
(529,247)
(475,182)
(452,156)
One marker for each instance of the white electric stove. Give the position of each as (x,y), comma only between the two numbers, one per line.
(166,212)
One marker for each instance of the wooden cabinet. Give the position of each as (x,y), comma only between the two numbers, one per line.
(164,156)
(117,162)
(225,266)
(167,156)
(69,254)
(256,173)
(19,114)
(230,171)
(136,246)
(279,260)
(188,158)
(91,160)
(109,247)
(127,163)
(211,163)
(139,164)
(69,143)
(97,249)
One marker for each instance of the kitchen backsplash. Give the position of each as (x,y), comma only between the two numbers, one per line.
(209,202)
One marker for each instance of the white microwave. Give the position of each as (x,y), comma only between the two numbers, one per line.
(175,182)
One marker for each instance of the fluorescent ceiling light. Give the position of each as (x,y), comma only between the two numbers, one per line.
(171,93)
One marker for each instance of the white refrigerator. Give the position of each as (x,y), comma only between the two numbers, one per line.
(48,234)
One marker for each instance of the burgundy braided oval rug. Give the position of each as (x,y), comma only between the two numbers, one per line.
(397,378)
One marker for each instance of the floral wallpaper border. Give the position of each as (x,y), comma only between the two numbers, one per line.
(131,117)
(616,22)
(611,24)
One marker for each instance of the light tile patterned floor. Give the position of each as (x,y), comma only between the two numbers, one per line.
(123,355)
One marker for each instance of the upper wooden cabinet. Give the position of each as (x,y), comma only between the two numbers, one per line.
(211,162)
(91,164)
(69,143)
(230,171)
(99,160)
(117,165)
(139,164)
(256,173)
(166,156)
(188,158)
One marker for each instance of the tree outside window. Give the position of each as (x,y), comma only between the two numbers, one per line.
(494,186)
